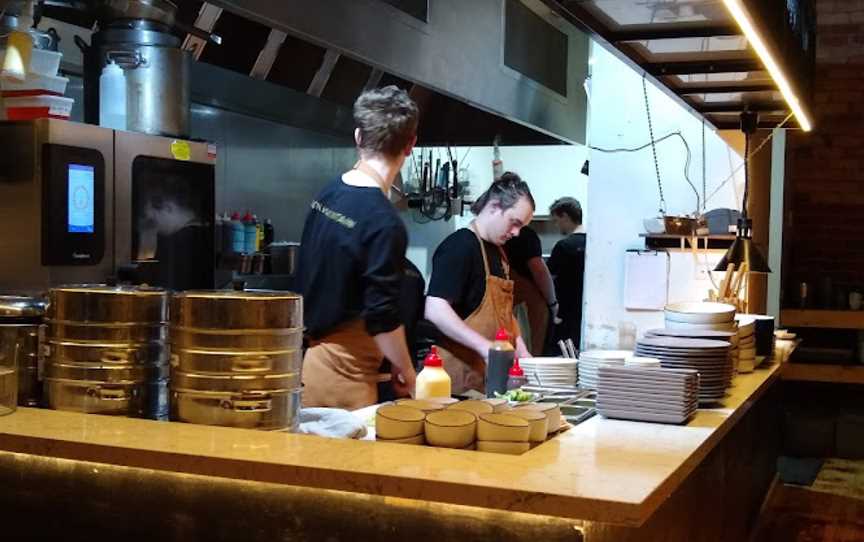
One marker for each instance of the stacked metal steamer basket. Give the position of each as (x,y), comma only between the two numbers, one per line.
(106,350)
(236,358)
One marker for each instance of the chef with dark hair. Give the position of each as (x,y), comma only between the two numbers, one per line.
(470,292)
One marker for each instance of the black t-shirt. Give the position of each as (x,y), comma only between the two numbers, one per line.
(351,260)
(523,248)
(412,301)
(567,265)
(458,274)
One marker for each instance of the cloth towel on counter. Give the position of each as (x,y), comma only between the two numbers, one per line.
(331,422)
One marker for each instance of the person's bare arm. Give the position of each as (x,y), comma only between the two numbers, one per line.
(521,349)
(441,313)
(395,348)
(543,279)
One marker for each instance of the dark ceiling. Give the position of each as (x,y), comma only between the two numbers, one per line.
(696,51)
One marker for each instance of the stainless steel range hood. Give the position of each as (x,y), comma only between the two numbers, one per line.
(487,53)
(478,68)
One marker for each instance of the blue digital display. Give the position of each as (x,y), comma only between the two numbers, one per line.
(81,199)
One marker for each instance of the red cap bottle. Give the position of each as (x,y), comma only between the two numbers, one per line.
(516,370)
(433,359)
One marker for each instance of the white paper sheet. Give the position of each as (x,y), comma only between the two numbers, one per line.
(646,280)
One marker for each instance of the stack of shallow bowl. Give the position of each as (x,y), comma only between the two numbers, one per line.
(236,358)
(503,433)
(763,335)
(746,345)
(106,350)
(402,424)
(706,316)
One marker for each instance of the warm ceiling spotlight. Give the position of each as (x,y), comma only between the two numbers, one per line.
(745,22)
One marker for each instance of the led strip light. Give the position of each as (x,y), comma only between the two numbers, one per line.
(743,20)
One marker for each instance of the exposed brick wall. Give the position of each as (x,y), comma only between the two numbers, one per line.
(825,169)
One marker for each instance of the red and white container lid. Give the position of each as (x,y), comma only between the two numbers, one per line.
(34,85)
(38,107)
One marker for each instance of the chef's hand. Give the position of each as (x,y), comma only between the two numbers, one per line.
(403,382)
(482,349)
(553,311)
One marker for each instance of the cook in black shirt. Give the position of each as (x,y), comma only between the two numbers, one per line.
(534,292)
(350,267)
(567,265)
(470,292)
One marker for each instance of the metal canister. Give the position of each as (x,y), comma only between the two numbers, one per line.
(133,391)
(101,304)
(157,73)
(236,358)
(106,350)
(20,332)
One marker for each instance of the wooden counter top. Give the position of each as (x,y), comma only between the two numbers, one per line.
(602,470)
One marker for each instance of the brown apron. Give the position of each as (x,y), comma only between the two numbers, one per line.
(526,293)
(340,370)
(466,368)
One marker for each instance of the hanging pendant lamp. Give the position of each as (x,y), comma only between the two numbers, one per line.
(743,249)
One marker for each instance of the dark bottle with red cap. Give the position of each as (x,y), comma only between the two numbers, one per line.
(501,356)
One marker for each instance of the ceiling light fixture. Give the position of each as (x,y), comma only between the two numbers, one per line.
(739,13)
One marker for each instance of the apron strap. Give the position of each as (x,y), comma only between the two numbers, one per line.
(473,228)
(363,167)
(505,263)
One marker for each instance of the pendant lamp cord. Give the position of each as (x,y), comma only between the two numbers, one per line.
(746,174)
(654,148)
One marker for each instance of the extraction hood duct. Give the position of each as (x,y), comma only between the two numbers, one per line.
(512,58)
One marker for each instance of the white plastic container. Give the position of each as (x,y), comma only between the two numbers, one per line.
(35,84)
(112,97)
(44,62)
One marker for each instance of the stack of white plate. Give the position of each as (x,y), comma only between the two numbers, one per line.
(551,372)
(591,360)
(705,316)
(709,357)
(701,316)
(746,345)
(645,394)
(730,336)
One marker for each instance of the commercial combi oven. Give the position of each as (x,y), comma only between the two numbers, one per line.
(84,204)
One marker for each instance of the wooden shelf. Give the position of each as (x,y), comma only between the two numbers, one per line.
(819,372)
(714,237)
(683,242)
(826,319)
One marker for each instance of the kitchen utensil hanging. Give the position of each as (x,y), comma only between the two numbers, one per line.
(438,195)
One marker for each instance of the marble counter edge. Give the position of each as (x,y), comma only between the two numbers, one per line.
(574,506)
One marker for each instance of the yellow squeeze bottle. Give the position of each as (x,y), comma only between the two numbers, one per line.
(433,380)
